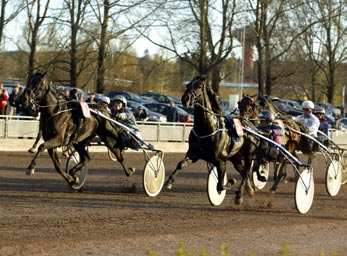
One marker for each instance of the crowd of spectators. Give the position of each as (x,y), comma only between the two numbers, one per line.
(11,105)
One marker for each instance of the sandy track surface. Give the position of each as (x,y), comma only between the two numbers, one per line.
(40,215)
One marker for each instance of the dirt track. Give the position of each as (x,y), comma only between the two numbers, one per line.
(113,216)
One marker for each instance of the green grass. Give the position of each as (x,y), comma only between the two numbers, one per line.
(182,251)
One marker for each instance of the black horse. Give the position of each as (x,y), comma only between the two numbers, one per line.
(214,140)
(58,126)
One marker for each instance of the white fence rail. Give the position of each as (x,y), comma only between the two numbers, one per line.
(28,127)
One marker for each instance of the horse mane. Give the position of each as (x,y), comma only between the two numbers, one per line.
(216,107)
(265,102)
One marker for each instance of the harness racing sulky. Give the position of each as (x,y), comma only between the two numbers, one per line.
(60,127)
(295,138)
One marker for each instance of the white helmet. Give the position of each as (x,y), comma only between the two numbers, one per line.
(121,98)
(319,111)
(307,104)
(106,100)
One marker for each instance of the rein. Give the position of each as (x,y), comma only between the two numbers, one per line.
(205,109)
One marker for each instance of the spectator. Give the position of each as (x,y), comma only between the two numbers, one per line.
(3,101)
(172,113)
(13,101)
(141,114)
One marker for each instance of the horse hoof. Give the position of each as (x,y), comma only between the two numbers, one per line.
(232,181)
(169,184)
(250,192)
(30,171)
(238,201)
(31,150)
(130,171)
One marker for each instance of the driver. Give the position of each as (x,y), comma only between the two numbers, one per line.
(124,115)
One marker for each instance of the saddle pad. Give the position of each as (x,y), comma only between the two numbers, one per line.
(238,126)
(85,110)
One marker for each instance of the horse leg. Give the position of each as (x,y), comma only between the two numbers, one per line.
(114,147)
(31,168)
(56,161)
(280,173)
(245,182)
(33,147)
(182,164)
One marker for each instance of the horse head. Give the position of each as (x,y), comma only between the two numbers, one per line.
(194,91)
(37,87)
(248,107)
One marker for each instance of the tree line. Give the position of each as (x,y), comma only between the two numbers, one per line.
(299,46)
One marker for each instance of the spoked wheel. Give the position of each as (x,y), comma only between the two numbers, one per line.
(304,191)
(112,156)
(333,177)
(81,174)
(215,197)
(264,171)
(153,176)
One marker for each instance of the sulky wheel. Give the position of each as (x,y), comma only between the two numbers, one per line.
(153,176)
(215,197)
(304,191)
(333,177)
(81,174)
(264,171)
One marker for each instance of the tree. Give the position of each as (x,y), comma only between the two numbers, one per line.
(198,32)
(4,20)
(330,34)
(36,17)
(115,19)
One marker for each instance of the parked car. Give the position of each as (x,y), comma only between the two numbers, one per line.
(153,116)
(128,95)
(162,98)
(291,107)
(342,123)
(80,91)
(146,99)
(9,87)
(163,108)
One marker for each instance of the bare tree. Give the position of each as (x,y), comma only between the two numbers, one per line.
(36,17)
(198,32)
(4,20)
(115,19)
(330,34)
(276,31)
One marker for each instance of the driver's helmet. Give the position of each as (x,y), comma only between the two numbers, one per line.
(266,115)
(319,111)
(307,104)
(121,98)
(106,100)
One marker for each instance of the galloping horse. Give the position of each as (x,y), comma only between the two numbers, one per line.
(57,124)
(214,140)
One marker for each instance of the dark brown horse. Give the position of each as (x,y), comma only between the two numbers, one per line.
(214,140)
(291,140)
(58,125)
